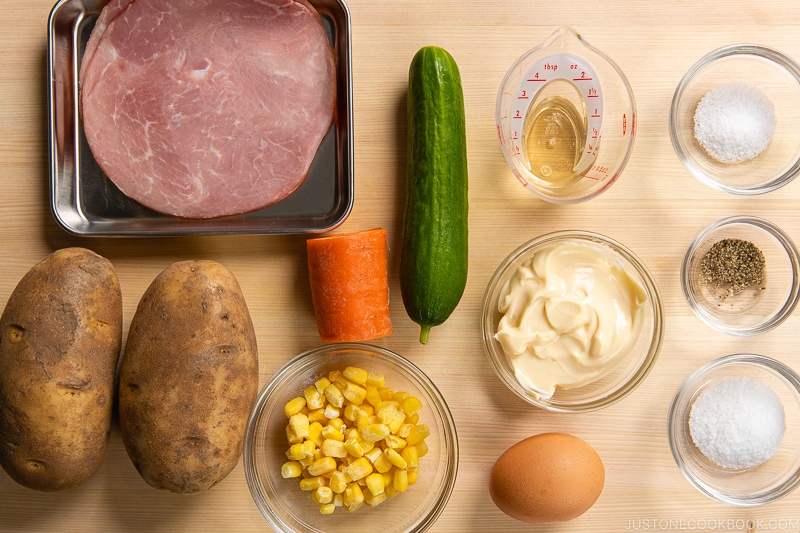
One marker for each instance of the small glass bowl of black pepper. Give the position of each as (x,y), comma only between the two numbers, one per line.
(750,486)
(740,276)
(734,117)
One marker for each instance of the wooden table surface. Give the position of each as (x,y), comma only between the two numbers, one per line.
(656,208)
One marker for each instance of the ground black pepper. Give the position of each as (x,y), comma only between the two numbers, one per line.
(733,265)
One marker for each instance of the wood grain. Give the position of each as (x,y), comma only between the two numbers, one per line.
(656,208)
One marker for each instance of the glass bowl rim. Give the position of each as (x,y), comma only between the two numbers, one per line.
(419,377)
(777,58)
(654,298)
(788,246)
(683,393)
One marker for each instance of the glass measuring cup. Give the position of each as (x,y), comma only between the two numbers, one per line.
(566,118)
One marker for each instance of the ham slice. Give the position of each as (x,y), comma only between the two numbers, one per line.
(206,108)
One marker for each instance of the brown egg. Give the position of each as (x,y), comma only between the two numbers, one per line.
(551,477)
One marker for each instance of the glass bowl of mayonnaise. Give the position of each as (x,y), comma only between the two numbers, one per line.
(572,321)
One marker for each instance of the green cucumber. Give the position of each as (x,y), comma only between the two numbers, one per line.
(433,257)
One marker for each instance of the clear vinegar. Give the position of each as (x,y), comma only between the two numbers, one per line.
(554,136)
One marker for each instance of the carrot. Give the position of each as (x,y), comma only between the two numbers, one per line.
(349,285)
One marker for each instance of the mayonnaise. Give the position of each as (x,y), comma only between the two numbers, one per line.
(570,314)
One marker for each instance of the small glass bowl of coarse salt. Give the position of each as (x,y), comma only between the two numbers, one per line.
(734,117)
(734,429)
(741,276)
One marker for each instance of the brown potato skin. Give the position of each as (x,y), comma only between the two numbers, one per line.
(188,378)
(60,339)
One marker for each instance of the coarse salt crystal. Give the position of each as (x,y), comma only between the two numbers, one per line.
(737,423)
(734,122)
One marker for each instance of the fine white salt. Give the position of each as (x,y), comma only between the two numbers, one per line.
(734,122)
(737,423)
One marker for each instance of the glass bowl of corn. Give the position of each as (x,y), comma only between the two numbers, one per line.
(350,437)
(607,382)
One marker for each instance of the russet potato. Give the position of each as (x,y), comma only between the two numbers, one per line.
(60,337)
(188,378)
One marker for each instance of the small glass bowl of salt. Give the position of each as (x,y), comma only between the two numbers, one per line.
(734,117)
(734,429)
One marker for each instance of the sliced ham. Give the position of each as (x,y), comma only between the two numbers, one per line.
(206,108)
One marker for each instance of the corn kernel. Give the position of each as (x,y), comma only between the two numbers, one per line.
(354,447)
(353,495)
(375,432)
(338,482)
(291,469)
(391,414)
(334,395)
(330,432)
(317,415)
(363,420)
(386,393)
(422,448)
(309,448)
(376,380)
(341,382)
(334,448)
(373,454)
(393,441)
(299,423)
(305,461)
(382,464)
(372,396)
(330,412)
(399,396)
(352,433)
(356,375)
(404,430)
(294,406)
(418,433)
(390,491)
(321,466)
(312,483)
(351,412)
(413,419)
(395,458)
(333,375)
(338,423)
(375,483)
(322,495)
(315,433)
(368,409)
(400,481)
(291,436)
(387,478)
(338,499)
(411,405)
(314,400)
(358,469)
(412,476)
(354,393)
(411,457)
(295,452)
(327,508)
(373,500)
(321,384)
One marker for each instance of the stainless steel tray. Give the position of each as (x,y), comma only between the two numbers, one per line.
(85,202)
